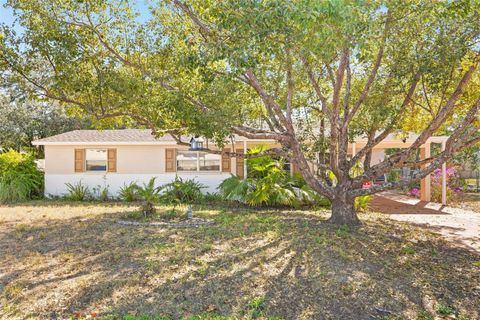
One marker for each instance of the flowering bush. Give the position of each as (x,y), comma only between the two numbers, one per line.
(454,190)
(415,192)
(454,186)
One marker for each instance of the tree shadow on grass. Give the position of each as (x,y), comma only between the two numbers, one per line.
(299,267)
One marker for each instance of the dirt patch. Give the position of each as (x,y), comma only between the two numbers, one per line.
(281,263)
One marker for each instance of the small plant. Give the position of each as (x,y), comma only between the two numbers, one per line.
(424,315)
(12,291)
(101,193)
(104,194)
(407,250)
(361,203)
(78,192)
(169,215)
(342,231)
(256,308)
(393,176)
(148,193)
(129,192)
(212,197)
(444,310)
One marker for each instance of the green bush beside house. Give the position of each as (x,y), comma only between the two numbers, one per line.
(20,179)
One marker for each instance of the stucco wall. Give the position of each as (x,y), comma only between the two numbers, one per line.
(134,164)
(130,159)
(55,183)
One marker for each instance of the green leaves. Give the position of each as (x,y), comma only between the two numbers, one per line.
(20,179)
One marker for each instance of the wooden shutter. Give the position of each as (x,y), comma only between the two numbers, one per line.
(240,165)
(226,161)
(170,159)
(294,168)
(79,164)
(112,160)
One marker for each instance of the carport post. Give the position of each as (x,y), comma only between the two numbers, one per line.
(245,159)
(444,179)
(425,187)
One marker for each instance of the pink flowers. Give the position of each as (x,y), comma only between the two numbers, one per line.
(437,173)
(454,189)
(415,192)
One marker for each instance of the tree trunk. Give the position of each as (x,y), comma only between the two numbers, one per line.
(343,211)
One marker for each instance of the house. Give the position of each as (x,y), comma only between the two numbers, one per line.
(113,158)
(116,157)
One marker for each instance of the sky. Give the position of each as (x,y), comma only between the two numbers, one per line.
(6,14)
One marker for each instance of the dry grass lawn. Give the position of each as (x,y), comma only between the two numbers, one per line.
(60,260)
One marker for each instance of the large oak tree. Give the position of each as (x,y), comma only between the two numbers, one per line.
(312,75)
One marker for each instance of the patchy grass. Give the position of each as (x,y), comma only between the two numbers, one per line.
(62,260)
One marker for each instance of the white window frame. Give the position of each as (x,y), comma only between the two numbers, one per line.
(198,163)
(106,161)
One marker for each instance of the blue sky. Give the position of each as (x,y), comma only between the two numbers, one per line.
(6,14)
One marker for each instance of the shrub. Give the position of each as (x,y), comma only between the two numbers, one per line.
(393,176)
(78,192)
(236,189)
(269,184)
(20,178)
(361,203)
(454,186)
(182,191)
(148,193)
(212,197)
(129,192)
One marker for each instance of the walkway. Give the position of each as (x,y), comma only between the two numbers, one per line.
(458,225)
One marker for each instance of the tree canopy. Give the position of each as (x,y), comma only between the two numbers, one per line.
(312,75)
(23,120)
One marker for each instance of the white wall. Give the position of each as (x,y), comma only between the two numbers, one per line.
(55,183)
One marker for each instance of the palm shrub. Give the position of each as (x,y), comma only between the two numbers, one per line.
(129,192)
(236,189)
(148,193)
(182,191)
(20,178)
(268,184)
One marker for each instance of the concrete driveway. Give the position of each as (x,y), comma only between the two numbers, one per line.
(457,225)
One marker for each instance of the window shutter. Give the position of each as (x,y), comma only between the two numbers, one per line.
(226,161)
(294,168)
(240,165)
(170,159)
(112,160)
(79,165)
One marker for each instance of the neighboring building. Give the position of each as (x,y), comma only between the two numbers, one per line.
(116,157)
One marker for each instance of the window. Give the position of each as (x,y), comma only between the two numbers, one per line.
(197,161)
(96,160)
(187,160)
(209,162)
(287,167)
